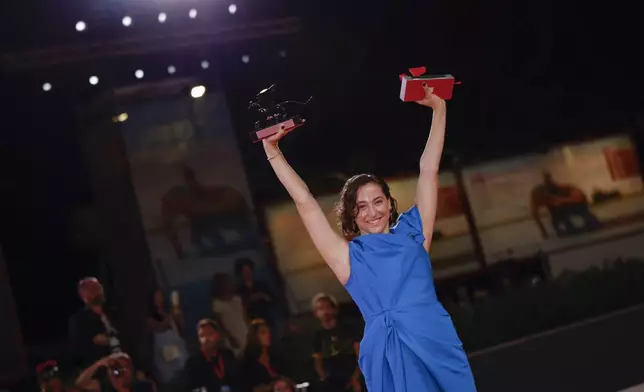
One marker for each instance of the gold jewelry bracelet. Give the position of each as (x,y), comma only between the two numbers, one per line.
(274,156)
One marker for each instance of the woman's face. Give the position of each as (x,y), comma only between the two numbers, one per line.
(247,273)
(264,336)
(158,299)
(373,210)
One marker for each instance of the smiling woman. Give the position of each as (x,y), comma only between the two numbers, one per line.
(366,206)
(410,343)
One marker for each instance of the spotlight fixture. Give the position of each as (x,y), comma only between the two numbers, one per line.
(120,118)
(197,92)
(205,64)
(80,26)
(93,80)
(163,17)
(172,69)
(127,21)
(192,13)
(232,9)
(46,87)
(139,74)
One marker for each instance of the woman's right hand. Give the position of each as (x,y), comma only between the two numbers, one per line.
(270,143)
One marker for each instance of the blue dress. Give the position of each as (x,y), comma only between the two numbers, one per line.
(410,343)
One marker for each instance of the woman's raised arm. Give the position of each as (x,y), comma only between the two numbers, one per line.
(427,188)
(333,248)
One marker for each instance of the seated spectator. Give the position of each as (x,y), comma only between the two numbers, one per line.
(169,348)
(229,313)
(50,378)
(114,373)
(91,331)
(262,361)
(213,369)
(159,318)
(258,300)
(335,348)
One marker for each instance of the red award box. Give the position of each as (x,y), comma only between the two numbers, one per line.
(411,87)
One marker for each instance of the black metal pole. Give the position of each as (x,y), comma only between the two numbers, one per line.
(469,215)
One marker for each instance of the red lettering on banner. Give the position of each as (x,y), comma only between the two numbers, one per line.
(622,163)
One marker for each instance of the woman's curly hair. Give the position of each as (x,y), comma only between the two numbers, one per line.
(346,209)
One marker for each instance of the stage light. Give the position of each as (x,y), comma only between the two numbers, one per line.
(93,80)
(120,118)
(197,92)
(245,59)
(192,13)
(282,53)
(163,17)
(46,86)
(80,26)
(205,64)
(127,21)
(172,70)
(139,74)
(232,9)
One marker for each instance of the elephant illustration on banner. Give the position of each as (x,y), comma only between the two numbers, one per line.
(219,217)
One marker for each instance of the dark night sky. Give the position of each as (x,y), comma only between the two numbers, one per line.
(534,73)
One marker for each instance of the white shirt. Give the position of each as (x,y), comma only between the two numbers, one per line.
(231,314)
(115,344)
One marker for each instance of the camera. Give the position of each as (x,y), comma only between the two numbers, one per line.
(272,117)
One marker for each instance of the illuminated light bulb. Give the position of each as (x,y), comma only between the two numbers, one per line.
(197,92)
(192,13)
(139,74)
(80,26)
(232,9)
(93,80)
(120,118)
(127,21)
(163,17)
(46,87)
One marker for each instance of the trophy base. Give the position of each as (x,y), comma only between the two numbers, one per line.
(287,126)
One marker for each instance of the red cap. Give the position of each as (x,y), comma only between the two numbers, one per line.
(43,365)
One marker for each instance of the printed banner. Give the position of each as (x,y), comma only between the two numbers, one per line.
(525,203)
(192,193)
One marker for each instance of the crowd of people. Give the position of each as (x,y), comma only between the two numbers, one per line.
(239,349)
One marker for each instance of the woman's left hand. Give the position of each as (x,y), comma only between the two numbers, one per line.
(431,100)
